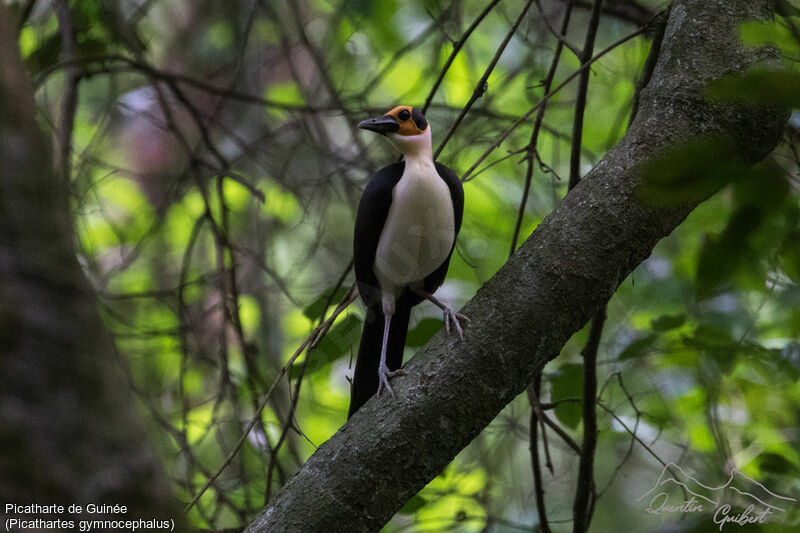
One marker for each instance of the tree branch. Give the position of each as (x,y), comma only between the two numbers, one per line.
(563,274)
(456,48)
(583,92)
(585,492)
(534,391)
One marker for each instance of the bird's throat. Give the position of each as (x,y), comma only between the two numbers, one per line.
(414,147)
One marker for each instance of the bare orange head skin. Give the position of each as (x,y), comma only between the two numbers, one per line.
(404,115)
(406,127)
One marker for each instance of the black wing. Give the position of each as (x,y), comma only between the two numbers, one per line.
(436,278)
(370,218)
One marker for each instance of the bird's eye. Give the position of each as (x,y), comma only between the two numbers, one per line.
(404,114)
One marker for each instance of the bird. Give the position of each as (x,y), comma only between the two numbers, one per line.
(406,226)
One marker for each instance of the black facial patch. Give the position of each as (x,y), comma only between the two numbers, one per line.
(419,119)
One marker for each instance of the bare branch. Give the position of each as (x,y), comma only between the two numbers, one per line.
(324,326)
(456,48)
(483,83)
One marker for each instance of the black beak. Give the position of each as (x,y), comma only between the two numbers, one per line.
(382,125)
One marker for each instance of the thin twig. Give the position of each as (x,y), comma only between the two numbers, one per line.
(585,492)
(629,452)
(393,61)
(348,298)
(534,390)
(561,433)
(583,91)
(135,65)
(456,48)
(632,433)
(628,11)
(483,83)
(548,82)
(561,36)
(290,419)
(503,136)
(322,67)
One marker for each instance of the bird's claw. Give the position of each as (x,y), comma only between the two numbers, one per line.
(450,315)
(384,375)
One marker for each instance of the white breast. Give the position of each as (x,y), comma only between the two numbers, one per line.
(419,230)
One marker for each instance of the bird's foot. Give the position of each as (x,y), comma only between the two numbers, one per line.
(452,316)
(384,375)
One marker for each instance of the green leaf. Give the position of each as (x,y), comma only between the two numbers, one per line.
(716,264)
(775,88)
(377,18)
(722,253)
(707,337)
(777,464)
(567,382)
(317,307)
(46,54)
(692,172)
(423,331)
(721,348)
(638,347)
(667,322)
(790,256)
(770,191)
(413,505)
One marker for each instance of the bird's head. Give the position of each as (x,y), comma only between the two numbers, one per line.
(406,127)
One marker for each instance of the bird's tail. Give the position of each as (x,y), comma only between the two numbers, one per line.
(365,378)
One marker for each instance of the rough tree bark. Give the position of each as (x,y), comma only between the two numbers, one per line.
(69,433)
(567,270)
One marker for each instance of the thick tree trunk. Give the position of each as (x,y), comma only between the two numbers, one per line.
(68,427)
(558,279)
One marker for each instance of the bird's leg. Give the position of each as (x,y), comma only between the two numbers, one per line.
(384,374)
(448,313)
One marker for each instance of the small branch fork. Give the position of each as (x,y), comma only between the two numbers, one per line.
(456,48)
(471,172)
(483,83)
(310,342)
